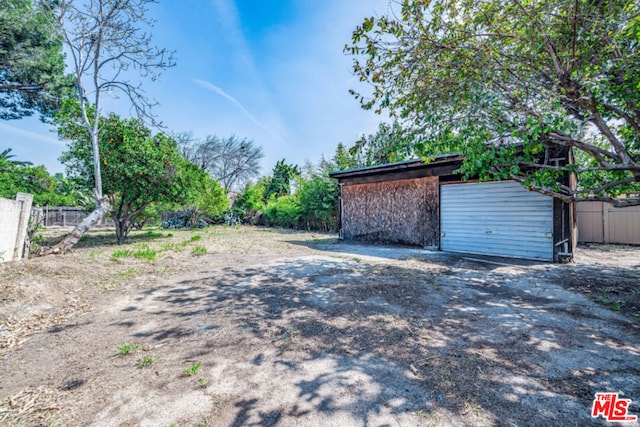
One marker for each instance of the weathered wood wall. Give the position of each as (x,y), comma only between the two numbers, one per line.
(402,211)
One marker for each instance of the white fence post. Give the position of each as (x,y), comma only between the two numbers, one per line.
(25,212)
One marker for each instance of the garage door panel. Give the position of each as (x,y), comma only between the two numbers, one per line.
(497,218)
(511,228)
(465,244)
(472,219)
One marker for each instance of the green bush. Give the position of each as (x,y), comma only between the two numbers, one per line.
(283,212)
(250,202)
(204,193)
(33,180)
(319,203)
(53,199)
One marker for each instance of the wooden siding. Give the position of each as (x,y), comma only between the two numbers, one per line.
(599,222)
(403,211)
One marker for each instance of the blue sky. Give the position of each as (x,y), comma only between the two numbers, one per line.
(271,71)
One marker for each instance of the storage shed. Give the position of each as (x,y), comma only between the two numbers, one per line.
(428,205)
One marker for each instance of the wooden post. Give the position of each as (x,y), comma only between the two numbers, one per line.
(25,212)
(340,234)
(605,222)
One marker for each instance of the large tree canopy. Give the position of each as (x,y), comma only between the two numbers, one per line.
(31,60)
(512,83)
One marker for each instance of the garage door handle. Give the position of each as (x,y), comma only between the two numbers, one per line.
(489,232)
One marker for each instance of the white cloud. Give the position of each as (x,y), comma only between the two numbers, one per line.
(216,89)
(311,77)
(31,140)
(24,133)
(229,19)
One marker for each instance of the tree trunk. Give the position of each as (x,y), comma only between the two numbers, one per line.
(122,230)
(102,207)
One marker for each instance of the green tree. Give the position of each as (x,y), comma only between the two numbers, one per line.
(283,211)
(31,60)
(20,177)
(390,144)
(250,202)
(106,41)
(5,155)
(313,206)
(73,190)
(139,168)
(202,192)
(343,159)
(513,85)
(280,182)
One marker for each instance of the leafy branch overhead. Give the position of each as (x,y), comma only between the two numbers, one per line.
(31,61)
(513,85)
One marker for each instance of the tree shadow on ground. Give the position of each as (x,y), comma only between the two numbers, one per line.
(443,340)
(616,288)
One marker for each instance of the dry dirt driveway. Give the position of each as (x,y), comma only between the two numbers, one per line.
(289,330)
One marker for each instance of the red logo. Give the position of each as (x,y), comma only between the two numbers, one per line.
(611,407)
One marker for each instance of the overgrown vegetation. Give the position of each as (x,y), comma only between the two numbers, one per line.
(22,177)
(292,198)
(513,86)
(139,170)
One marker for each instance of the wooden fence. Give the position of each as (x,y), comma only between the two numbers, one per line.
(599,222)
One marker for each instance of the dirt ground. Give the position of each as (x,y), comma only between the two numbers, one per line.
(263,327)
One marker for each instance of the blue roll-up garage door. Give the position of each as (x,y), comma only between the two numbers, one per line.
(496,218)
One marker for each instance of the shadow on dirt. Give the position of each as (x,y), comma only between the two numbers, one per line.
(613,287)
(438,338)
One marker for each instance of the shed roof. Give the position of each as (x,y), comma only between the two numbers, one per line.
(403,166)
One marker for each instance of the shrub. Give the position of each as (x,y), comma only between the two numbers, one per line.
(187,218)
(249,203)
(319,203)
(283,212)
